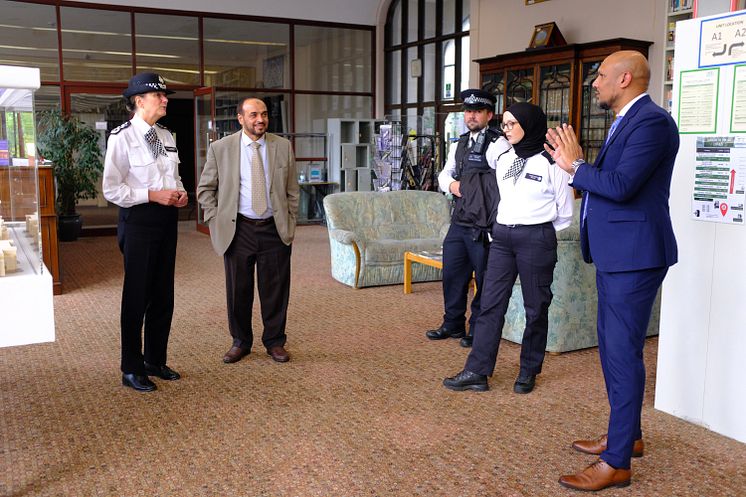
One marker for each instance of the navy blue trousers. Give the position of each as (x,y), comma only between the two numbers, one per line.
(147,235)
(462,257)
(531,253)
(625,301)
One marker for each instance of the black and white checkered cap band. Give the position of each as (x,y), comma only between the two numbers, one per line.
(473,99)
(156,86)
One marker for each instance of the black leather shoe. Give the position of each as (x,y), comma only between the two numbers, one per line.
(524,383)
(444,332)
(139,383)
(162,372)
(466,341)
(466,380)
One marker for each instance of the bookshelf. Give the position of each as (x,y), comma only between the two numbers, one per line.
(676,10)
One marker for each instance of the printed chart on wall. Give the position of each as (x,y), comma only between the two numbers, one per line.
(720,179)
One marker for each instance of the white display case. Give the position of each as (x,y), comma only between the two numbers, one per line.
(26,302)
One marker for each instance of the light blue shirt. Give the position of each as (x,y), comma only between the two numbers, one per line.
(244,191)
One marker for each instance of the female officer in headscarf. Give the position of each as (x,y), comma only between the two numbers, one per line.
(535,202)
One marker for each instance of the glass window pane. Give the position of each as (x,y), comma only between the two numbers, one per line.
(428,73)
(449,69)
(429,19)
(411,80)
(333,59)
(410,124)
(226,121)
(449,16)
(428,121)
(394,81)
(396,24)
(465,62)
(554,94)
(311,111)
(96,45)
(246,54)
(465,16)
(412,20)
(29,37)
(168,45)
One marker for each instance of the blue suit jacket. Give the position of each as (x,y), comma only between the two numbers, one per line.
(628,225)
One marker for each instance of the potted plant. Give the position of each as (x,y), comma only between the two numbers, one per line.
(72,147)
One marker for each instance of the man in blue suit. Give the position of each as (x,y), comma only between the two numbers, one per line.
(626,232)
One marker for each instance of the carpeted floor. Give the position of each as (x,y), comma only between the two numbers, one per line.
(359,410)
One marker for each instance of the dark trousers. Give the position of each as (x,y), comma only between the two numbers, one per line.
(260,246)
(147,236)
(462,256)
(531,253)
(625,301)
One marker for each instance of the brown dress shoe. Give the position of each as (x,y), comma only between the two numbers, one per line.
(235,354)
(279,354)
(597,476)
(598,445)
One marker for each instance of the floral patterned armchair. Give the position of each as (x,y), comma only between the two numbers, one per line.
(370,231)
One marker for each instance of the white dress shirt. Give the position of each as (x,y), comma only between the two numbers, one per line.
(445,178)
(244,191)
(541,194)
(130,169)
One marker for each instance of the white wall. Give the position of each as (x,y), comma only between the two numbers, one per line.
(506,26)
(345,11)
(702,347)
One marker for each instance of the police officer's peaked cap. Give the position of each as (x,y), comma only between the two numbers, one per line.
(144,83)
(475,99)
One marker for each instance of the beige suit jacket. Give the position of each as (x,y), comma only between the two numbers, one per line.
(218,187)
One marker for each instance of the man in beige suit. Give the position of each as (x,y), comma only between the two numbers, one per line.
(249,192)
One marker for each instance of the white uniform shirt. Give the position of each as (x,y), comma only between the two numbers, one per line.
(445,178)
(130,169)
(244,191)
(541,194)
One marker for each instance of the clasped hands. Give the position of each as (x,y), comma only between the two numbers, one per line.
(177,198)
(562,144)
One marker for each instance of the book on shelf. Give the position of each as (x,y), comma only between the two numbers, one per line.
(679,5)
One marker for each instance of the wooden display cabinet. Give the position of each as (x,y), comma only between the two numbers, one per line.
(559,80)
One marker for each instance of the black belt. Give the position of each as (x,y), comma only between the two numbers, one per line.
(256,222)
(548,223)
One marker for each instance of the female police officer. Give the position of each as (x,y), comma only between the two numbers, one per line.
(141,176)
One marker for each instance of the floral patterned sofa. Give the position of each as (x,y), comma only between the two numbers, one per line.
(370,231)
(572,315)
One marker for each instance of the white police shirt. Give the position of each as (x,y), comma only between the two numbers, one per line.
(130,169)
(540,195)
(494,149)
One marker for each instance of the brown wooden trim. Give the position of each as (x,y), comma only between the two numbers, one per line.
(134,43)
(59,44)
(201,34)
(197,13)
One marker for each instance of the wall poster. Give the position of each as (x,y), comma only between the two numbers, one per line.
(720,179)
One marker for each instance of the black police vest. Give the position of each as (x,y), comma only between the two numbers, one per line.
(479,193)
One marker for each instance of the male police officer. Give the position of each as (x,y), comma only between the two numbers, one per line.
(469,176)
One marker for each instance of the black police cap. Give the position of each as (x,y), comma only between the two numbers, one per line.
(475,99)
(144,83)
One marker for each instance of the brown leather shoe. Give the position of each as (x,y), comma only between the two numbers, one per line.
(279,354)
(598,445)
(235,354)
(597,476)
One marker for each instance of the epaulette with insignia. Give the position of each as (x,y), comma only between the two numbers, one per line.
(162,127)
(121,127)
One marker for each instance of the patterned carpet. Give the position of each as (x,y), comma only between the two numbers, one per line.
(359,410)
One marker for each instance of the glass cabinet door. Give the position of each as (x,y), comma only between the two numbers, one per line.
(554,93)
(520,87)
(204,129)
(594,121)
(495,84)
